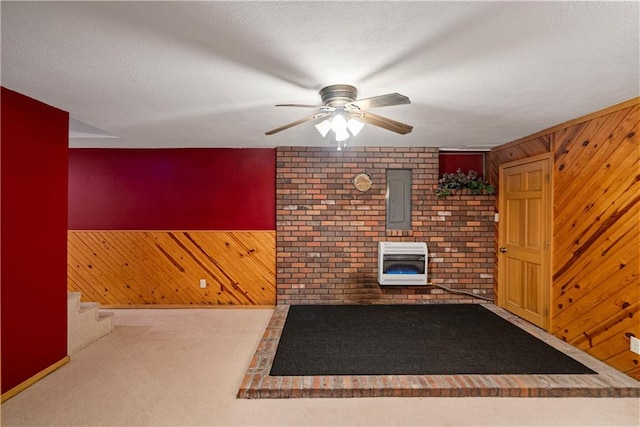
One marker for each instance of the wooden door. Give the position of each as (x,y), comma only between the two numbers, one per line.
(524,239)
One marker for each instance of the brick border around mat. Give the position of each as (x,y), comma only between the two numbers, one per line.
(257,383)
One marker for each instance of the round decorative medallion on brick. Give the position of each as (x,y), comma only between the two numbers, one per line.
(362,182)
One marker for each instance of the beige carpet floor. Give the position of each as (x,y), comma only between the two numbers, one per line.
(184,367)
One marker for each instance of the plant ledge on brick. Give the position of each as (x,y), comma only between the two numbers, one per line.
(463,183)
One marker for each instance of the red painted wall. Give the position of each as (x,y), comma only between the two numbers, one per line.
(450,162)
(172,189)
(33,237)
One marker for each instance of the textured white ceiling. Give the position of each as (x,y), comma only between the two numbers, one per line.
(207,74)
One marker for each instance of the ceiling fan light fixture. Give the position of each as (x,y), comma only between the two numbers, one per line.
(346,115)
(324,127)
(342,135)
(339,125)
(339,122)
(354,126)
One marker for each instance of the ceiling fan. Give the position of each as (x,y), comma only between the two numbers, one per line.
(345,114)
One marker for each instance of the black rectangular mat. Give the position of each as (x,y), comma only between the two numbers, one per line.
(411,340)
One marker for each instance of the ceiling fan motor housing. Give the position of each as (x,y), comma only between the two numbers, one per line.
(341,100)
(338,95)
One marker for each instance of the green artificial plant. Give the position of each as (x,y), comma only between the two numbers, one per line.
(450,183)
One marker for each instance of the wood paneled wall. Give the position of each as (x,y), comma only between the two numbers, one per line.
(516,150)
(596,291)
(125,268)
(596,229)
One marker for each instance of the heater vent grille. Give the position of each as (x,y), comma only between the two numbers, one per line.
(402,263)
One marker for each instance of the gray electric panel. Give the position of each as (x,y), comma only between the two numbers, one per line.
(398,199)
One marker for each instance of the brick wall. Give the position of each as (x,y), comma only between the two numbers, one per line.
(328,231)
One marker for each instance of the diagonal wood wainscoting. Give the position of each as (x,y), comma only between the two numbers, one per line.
(129,268)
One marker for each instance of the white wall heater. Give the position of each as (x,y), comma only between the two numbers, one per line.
(402,263)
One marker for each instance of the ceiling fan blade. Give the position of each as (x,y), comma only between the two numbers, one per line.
(382,101)
(297,122)
(386,123)
(299,105)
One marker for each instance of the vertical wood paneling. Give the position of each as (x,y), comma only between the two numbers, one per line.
(158,267)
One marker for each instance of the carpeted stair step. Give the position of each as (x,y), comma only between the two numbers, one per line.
(88,306)
(73,301)
(86,323)
(104,315)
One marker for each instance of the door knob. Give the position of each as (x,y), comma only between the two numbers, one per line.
(503,249)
